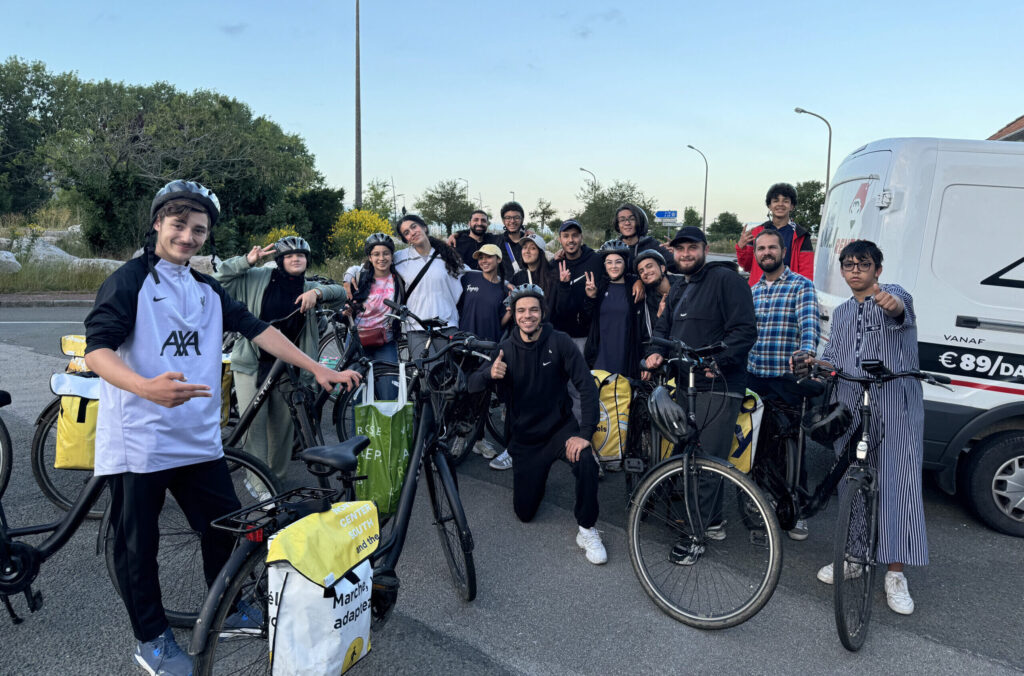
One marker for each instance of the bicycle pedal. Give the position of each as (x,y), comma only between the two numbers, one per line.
(759,538)
(633,465)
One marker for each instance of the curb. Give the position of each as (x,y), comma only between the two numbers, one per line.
(44,302)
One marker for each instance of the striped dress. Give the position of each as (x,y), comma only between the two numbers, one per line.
(862,331)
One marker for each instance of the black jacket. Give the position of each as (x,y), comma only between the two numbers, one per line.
(647,242)
(714,304)
(592,312)
(567,299)
(648,314)
(467,246)
(535,386)
(516,248)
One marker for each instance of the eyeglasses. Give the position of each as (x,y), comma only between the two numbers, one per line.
(627,219)
(511,218)
(863,266)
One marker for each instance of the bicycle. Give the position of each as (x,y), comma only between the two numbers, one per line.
(685,560)
(6,451)
(857,524)
(645,446)
(245,574)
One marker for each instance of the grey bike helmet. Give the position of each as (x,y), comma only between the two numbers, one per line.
(614,246)
(377,239)
(668,416)
(653,254)
(182,189)
(289,245)
(524,291)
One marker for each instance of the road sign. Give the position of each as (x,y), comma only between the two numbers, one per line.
(665,215)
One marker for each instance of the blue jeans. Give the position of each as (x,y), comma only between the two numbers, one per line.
(385,388)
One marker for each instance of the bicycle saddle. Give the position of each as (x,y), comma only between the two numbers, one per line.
(341,456)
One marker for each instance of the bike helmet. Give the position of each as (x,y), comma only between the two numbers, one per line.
(524,291)
(668,416)
(289,245)
(614,246)
(827,423)
(653,254)
(376,239)
(182,189)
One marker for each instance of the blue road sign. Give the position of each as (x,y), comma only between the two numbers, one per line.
(666,214)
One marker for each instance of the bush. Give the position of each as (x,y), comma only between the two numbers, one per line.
(350,231)
(268,238)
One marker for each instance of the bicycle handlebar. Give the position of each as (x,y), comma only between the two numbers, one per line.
(878,373)
(432,325)
(694,354)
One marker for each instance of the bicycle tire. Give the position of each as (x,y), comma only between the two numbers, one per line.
(854,544)
(732,578)
(179,558)
(243,653)
(60,486)
(452,527)
(344,407)
(6,457)
(495,421)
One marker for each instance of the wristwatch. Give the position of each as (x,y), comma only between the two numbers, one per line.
(319,294)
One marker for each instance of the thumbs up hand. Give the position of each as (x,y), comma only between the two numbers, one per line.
(498,367)
(890,304)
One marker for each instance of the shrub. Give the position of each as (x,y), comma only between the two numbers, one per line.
(271,236)
(350,231)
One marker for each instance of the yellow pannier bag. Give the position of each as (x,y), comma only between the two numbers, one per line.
(227,380)
(614,394)
(744,440)
(76,422)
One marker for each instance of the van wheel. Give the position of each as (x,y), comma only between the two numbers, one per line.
(995,481)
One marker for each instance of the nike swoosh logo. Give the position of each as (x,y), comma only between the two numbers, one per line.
(545,363)
(157,300)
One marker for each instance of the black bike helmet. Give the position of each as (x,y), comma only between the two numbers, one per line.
(668,416)
(653,254)
(376,239)
(827,423)
(524,291)
(182,189)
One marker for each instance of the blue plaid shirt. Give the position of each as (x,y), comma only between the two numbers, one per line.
(787,320)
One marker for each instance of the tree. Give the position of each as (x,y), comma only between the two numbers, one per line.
(543,212)
(691,217)
(726,226)
(599,208)
(26,118)
(323,206)
(377,198)
(810,195)
(350,231)
(446,204)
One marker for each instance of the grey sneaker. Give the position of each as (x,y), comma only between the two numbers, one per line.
(799,531)
(248,619)
(163,657)
(503,461)
(485,449)
(716,532)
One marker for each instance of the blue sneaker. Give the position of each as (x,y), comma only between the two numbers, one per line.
(248,619)
(163,657)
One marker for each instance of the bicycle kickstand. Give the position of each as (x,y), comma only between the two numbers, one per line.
(10,610)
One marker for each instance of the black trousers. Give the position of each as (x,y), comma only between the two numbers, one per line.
(531,465)
(204,492)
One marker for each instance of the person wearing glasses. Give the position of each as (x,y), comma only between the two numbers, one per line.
(511,240)
(631,224)
(378,281)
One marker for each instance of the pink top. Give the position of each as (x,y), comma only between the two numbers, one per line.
(374,311)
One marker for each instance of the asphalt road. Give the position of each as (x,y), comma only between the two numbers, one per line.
(541,608)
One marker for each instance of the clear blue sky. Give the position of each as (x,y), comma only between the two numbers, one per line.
(520,95)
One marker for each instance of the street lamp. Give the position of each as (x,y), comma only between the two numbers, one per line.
(513,195)
(592,176)
(394,202)
(828,158)
(704,218)
(467,187)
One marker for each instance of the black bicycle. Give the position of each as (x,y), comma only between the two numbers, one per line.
(6,451)
(703,539)
(245,574)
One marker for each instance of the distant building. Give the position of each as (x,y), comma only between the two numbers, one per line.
(1011,132)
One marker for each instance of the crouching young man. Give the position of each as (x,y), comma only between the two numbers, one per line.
(531,373)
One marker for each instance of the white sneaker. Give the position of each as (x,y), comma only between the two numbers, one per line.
(503,461)
(897,594)
(589,539)
(485,449)
(851,570)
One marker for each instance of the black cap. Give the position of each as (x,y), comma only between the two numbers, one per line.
(689,233)
(571,223)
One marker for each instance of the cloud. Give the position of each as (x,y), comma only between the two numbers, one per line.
(587,28)
(234,29)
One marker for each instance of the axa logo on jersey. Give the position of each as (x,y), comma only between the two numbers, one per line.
(181,341)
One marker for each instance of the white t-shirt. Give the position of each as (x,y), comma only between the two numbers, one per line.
(437,293)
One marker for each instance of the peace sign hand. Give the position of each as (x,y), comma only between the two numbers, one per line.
(591,287)
(563,272)
(259,252)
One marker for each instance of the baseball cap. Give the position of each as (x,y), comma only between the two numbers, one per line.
(689,233)
(539,241)
(571,223)
(487,250)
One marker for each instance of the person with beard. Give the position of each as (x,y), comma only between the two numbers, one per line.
(796,241)
(657,281)
(531,372)
(711,304)
(536,268)
(482,310)
(576,260)
(612,343)
(274,294)
(468,241)
(786,308)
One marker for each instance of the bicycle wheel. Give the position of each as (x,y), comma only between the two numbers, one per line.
(344,407)
(60,486)
(6,457)
(702,575)
(495,421)
(854,554)
(239,653)
(179,558)
(452,528)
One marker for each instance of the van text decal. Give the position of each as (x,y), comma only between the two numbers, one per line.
(1003,366)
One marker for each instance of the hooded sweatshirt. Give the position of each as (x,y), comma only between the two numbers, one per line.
(645,241)
(568,297)
(535,386)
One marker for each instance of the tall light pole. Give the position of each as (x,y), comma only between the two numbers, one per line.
(359,141)
(467,188)
(394,201)
(513,195)
(704,218)
(828,158)
(592,175)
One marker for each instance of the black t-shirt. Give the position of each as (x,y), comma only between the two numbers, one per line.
(614,314)
(482,306)
(467,246)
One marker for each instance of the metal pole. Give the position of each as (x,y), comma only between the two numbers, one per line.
(467,188)
(828,158)
(704,218)
(513,195)
(592,176)
(359,142)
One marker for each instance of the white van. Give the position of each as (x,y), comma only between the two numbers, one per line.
(949,218)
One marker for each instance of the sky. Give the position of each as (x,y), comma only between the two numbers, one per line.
(518,96)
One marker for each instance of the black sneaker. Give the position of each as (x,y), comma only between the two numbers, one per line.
(685,553)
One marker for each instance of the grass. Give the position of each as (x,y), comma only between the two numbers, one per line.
(37,277)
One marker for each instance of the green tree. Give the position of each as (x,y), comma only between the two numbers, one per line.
(377,198)
(726,226)
(691,217)
(26,119)
(445,203)
(323,206)
(544,212)
(810,195)
(599,205)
